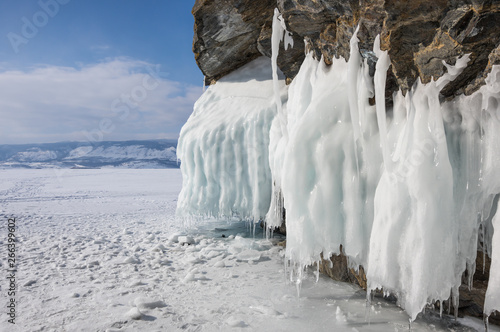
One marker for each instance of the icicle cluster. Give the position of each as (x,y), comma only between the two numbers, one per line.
(406,195)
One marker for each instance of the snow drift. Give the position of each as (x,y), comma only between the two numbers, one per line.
(405,191)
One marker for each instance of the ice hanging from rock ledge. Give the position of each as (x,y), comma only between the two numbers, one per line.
(279,131)
(403,194)
(413,229)
(330,173)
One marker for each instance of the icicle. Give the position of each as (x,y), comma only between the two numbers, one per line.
(276,38)
(352,81)
(298,278)
(440,309)
(286,263)
(298,284)
(453,71)
(484,248)
(368,306)
(278,206)
(486,324)
(470,275)
(287,37)
(456,302)
(317,271)
(353,71)
(381,68)
(481,146)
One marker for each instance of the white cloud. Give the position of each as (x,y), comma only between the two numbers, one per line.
(117,99)
(100,47)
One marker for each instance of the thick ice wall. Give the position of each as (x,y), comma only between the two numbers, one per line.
(492,301)
(223,147)
(472,127)
(473,134)
(413,229)
(403,202)
(329,175)
(299,97)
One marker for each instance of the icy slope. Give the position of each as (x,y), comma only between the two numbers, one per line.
(407,192)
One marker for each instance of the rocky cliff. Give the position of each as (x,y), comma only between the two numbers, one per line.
(418,35)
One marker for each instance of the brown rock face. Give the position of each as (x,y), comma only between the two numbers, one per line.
(226,33)
(471,300)
(419,35)
(230,33)
(337,268)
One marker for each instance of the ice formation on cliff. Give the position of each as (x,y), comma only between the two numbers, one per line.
(224,147)
(405,191)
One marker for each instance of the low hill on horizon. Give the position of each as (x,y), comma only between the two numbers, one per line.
(122,154)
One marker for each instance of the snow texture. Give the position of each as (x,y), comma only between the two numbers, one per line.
(403,191)
(76,229)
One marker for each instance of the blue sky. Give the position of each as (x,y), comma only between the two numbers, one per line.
(83,70)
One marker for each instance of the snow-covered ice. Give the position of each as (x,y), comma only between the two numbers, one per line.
(99,250)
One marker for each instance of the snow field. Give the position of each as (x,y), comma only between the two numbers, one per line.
(101,250)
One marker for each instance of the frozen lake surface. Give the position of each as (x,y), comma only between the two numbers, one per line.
(99,250)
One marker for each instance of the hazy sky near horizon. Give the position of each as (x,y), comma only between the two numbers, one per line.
(90,70)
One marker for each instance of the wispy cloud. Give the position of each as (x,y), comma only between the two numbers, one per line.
(100,47)
(113,100)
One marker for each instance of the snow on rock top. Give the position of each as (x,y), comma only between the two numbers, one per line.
(404,191)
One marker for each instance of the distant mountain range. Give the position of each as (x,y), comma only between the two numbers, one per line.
(126,154)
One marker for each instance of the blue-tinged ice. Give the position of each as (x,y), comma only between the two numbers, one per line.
(224,147)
